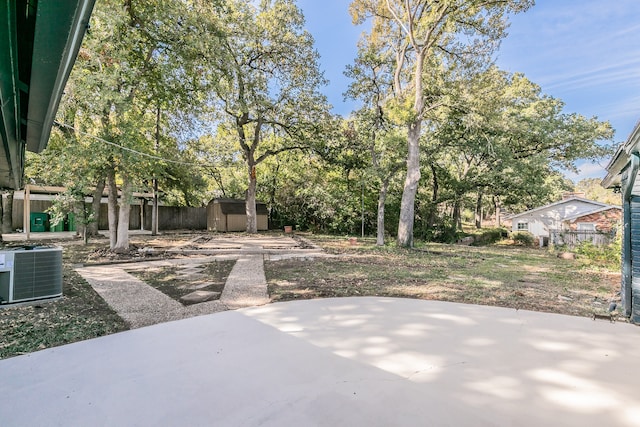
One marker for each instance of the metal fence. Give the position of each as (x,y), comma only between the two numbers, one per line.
(575,238)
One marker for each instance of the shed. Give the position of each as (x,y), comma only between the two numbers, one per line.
(622,172)
(230,215)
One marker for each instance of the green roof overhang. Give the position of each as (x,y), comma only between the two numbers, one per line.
(622,158)
(39,42)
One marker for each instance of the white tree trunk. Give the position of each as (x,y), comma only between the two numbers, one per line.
(112,209)
(479,208)
(252,217)
(407,205)
(154,209)
(382,198)
(7,212)
(496,204)
(122,243)
(93,226)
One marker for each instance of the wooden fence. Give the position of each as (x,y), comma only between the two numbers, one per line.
(169,217)
(575,238)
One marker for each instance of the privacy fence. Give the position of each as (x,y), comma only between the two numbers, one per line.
(575,238)
(169,217)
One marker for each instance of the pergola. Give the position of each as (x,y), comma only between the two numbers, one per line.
(39,42)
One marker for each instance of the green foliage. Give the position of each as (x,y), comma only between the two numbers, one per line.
(230,85)
(489,236)
(594,190)
(523,238)
(72,201)
(267,90)
(444,230)
(608,256)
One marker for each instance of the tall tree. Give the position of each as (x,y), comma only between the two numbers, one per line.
(269,83)
(505,137)
(381,136)
(425,36)
(139,66)
(595,191)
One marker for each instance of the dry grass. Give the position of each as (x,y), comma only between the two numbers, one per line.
(497,275)
(505,276)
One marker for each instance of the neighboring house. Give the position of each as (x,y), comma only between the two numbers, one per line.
(623,173)
(573,213)
(230,215)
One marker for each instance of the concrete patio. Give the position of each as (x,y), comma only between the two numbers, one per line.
(337,362)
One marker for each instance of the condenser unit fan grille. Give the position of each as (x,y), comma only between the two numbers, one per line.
(37,274)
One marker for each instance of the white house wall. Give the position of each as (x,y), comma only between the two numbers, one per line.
(536,227)
(551,218)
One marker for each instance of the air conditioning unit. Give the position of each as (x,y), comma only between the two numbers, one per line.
(30,273)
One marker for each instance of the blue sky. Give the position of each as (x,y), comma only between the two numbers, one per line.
(584,52)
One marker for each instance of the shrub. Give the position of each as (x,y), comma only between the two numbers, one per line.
(607,256)
(489,236)
(446,232)
(523,238)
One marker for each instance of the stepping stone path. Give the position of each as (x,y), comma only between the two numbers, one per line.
(199,296)
(138,303)
(141,305)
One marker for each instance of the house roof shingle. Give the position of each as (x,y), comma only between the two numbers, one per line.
(598,206)
(238,207)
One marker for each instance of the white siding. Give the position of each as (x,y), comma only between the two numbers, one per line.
(636,186)
(551,218)
(536,227)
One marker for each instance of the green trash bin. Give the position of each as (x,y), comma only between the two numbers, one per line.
(38,223)
(57,227)
(71,220)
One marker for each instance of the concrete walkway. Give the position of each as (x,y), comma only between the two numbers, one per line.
(138,303)
(337,362)
(142,305)
(246,285)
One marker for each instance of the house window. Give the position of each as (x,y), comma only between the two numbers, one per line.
(523,226)
(586,226)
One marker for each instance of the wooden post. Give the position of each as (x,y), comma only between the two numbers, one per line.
(154,209)
(627,246)
(143,204)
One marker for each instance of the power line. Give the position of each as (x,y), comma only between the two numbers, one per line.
(131,150)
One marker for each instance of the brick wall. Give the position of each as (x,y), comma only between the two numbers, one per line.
(605,221)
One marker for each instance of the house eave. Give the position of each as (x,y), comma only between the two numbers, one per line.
(550,205)
(621,159)
(39,41)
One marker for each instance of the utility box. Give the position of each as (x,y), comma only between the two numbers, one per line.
(30,273)
(39,222)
